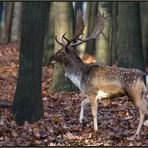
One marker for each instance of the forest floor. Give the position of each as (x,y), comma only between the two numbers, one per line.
(117,118)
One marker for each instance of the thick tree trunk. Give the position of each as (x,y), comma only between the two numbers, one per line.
(63,24)
(129,43)
(103,44)
(28,105)
(144,25)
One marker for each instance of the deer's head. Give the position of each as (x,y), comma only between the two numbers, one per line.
(64,53)
(67,50)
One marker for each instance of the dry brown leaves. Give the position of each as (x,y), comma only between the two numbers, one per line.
(117,119)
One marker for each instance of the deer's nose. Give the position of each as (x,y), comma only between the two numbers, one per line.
(51,60)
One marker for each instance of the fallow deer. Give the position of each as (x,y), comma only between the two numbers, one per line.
(98,82)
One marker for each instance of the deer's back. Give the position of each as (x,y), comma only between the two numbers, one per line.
(113,81)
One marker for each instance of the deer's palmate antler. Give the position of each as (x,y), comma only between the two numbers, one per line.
(98,82)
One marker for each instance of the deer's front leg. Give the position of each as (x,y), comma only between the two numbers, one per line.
(83,103)
(94,109)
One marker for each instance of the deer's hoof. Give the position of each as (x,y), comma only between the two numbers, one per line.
(96,129)
(83,123)
(136,136)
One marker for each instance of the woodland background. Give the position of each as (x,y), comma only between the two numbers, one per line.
(38,94)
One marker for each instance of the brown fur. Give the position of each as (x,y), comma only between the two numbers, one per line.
(110,81)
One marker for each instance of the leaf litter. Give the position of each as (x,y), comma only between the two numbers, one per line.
(117,118)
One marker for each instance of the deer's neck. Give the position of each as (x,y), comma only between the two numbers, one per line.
(74,69)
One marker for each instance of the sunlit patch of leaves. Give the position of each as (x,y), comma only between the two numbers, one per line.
(117,118)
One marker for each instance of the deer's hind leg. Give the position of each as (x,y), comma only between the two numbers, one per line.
(142,115)
(94,108)
(143,110)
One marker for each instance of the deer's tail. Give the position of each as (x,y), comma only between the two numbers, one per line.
(146,81)
(145,93)
(145,99)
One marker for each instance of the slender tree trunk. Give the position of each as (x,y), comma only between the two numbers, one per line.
(146,60)
(8,19)
(1,12)
(63,24)
(129,43)
(1,9)
(15,29)
(114,34)
(27,104)
(103,44)
(2,37)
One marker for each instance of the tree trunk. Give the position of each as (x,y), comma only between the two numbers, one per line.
(103,44)
(1,9)
(27,104)
(91,12)
(129,44)
(114,34)
(8,21)
(63,24)
(78,5)
(15,29)
(146,60)
(2,37)
(49,39)
(1,12)
(144,25)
